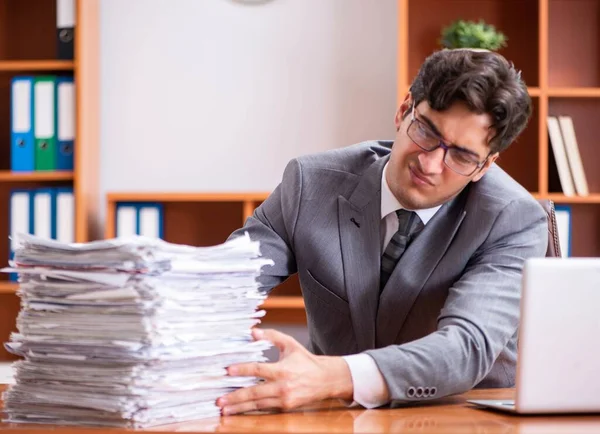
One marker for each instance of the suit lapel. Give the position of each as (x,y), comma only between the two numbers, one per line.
(359,222)
(414,268)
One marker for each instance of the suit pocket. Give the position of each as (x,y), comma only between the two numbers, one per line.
(328,317)
(325,295)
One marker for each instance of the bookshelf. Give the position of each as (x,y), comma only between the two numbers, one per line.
(28,46)
(556,44)
(204,219)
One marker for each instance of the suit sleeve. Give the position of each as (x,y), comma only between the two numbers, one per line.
(479,317)
(273,224)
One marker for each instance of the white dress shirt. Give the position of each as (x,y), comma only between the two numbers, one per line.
(370,389)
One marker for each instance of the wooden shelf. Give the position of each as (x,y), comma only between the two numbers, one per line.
(8,287)
(561,198)
(283,309)
(37,65)
(534,91)
(9,176)
(574,92)
(28,47)
(185,197)
(283,302)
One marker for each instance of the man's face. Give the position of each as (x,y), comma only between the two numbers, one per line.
(420,179)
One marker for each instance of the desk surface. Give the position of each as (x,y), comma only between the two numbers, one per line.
(449,415)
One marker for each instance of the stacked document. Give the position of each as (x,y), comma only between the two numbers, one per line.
(131,332)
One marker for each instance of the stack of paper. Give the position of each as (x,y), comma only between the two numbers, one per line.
(134,332)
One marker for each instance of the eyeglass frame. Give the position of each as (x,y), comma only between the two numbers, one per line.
(441,144)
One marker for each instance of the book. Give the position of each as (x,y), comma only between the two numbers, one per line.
(560,156)
(572,150)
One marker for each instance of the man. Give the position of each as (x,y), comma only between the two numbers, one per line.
(409,253)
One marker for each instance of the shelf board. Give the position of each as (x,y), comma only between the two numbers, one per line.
(561,198)
(9,176)
(284,309)
(185,197)
(8,287)
(574,92)
(37,65)
(534,91)
(283,302)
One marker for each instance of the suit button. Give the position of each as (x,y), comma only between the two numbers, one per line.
(427,392)
(411,392)
(433,391)
(419,392)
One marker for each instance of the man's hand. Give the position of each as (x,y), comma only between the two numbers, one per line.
(298,378)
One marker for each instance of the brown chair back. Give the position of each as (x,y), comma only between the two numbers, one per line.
(553,244)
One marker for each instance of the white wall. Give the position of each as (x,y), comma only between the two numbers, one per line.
(218,95)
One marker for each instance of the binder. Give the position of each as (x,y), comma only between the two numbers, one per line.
(126,220)
(145,219)
(150,218)
(564,225)
(44,122)
(20,220)
(65,122)
(64,222)
(65,29)
(44,212)
(21,132)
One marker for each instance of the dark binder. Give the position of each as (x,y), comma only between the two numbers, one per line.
(65,29)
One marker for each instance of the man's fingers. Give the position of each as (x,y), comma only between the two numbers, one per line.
(280,340)
(249,394)
(262,404)
(254,369)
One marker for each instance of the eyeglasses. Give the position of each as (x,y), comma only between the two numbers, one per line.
(458,160)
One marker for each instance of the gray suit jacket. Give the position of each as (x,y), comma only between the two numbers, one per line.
(447,318)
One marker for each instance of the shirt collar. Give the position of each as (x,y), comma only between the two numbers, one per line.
(390,204)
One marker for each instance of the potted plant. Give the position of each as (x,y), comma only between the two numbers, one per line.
(469,34)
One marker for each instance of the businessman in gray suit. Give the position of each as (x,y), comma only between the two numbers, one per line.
(409,253)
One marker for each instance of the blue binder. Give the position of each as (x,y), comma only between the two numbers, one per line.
(22,141)
(65,122)
(20,219)
(564,221)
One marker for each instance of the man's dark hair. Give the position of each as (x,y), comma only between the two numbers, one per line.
(485,81)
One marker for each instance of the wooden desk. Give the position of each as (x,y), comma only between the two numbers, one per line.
(449,415)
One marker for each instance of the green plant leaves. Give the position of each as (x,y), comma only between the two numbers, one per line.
(469,34)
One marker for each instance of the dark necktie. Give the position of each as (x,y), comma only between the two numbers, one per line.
(409,225)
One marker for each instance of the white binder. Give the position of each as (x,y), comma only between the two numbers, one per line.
(43,213)
(126,220)
(65,215)
(20,214)
(150,221)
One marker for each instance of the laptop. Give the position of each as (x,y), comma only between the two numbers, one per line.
(558,363)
